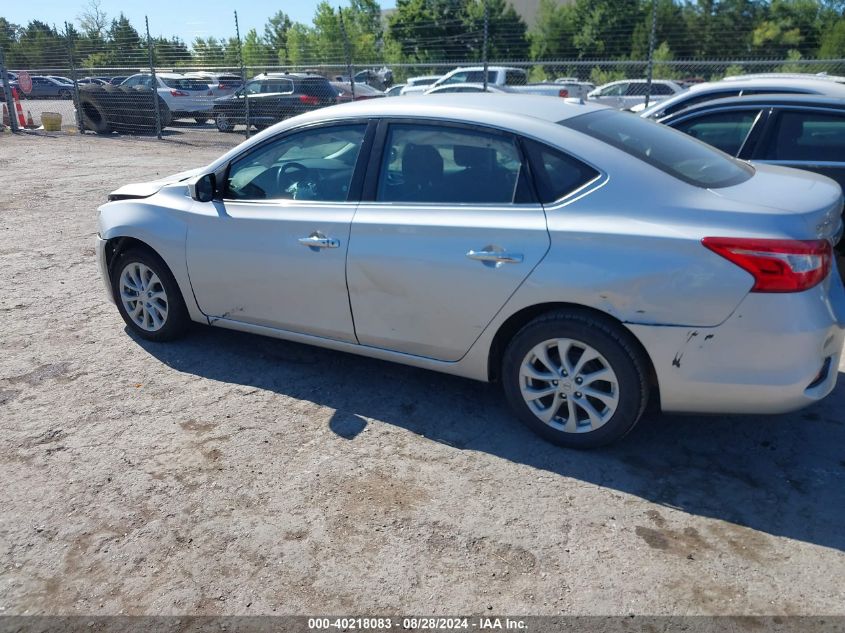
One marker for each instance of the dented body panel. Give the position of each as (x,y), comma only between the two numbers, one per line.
(398,284)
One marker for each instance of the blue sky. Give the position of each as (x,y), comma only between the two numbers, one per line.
(186,18)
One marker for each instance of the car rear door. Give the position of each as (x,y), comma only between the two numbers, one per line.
(272,250)
(448,231)
(805,138)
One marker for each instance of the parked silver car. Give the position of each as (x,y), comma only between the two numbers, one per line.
(502,237)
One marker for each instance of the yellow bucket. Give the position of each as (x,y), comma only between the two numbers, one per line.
(52,121)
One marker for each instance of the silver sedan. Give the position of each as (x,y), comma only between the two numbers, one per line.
(585,258)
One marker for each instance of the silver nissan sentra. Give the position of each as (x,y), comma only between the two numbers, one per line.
(585,258)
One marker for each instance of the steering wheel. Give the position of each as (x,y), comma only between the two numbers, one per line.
(285,176)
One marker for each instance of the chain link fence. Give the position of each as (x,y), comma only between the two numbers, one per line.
(136,84)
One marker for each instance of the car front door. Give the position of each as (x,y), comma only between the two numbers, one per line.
(448,233)
(806,138)
(272,251)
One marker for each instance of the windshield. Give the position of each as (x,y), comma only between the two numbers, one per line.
(662,147)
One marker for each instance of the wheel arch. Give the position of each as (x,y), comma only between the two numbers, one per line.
(515,322)
(117,244)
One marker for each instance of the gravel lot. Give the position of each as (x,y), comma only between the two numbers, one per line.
(233,474)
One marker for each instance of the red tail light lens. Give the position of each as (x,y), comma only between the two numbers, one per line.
(776,265)
(563,92)
(178,93)
(309,100)
(221,87)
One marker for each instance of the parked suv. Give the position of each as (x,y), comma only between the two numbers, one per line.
(272,98)
(185,97)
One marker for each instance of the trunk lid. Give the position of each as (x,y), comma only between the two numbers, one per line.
(782,191)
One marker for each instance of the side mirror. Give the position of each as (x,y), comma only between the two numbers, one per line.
(203,188)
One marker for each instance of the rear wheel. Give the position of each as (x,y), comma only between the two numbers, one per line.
(201,120)
(148,297)
(224,122)
(576,379)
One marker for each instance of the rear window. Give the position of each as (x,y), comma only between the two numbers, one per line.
(185,83)
(662,147)
(317,87)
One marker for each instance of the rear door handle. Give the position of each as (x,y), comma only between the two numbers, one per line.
(317,240)
(495,258)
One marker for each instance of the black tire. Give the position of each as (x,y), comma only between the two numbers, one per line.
(94,115)
(613,343)
(201,120)
(65,94)
(165,113)
(177,320)
(224,122)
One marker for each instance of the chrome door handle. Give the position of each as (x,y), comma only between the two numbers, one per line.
(491,257)
(317,240)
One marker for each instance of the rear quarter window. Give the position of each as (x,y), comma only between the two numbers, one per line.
(662,147)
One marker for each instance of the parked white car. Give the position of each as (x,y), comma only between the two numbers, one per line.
(436,90)
(708,91)
(627,93)
(496,76)
(220,84)
(512,238)
(418,85)
(185,97)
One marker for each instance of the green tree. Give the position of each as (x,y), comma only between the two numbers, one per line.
(276,35)
(551,37)
(256,52)
(507,33)
(207,52)
(832,40)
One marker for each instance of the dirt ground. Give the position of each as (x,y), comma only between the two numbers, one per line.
(228,473)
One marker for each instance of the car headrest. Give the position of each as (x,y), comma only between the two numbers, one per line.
(475,157)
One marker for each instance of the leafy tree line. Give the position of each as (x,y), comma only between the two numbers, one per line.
(420,31)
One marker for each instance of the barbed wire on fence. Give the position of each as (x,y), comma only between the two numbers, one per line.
(130,82)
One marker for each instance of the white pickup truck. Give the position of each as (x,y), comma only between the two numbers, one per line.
(512,80)
(496,76)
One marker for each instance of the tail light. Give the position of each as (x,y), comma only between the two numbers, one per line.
(220,86)
(776,265)
(178,93)
(309,100)
(563,92)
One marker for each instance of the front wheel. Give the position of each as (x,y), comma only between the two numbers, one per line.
(148,297)
(576,379)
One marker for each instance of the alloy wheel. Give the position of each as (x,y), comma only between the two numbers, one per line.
(569,385)
(143,296)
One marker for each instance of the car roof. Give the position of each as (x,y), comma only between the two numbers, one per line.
(469,107)
(767,82)
(818,76)
(465,84)
(773,99)
(489,68)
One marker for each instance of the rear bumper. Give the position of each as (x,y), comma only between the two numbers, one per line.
(776,353)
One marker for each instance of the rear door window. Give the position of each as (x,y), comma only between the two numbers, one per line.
(807,135)
(556,174)
(450,165)
(185,83)
(725,130)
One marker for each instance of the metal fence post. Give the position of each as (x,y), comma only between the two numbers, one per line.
(650,68)
(484,47)
(7,90)
(155,80)
(243,74)
(347,53)
(76,100)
